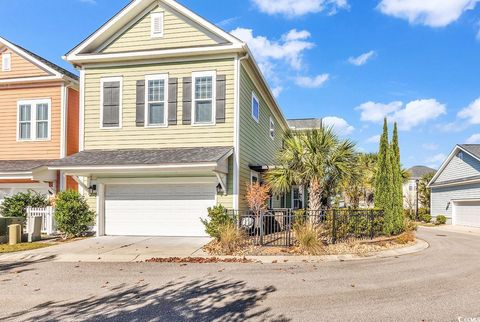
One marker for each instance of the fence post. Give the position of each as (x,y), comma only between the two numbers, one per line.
(288,219)
(334,226)
(372,224)
(261,228)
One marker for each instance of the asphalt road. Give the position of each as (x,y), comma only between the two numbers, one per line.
(441,283)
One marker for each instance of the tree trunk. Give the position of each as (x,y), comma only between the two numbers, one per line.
(315,195)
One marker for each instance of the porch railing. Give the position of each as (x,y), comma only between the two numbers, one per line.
(276,227)
(48,220)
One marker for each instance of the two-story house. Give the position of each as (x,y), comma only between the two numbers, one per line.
(38,121)
(175,117)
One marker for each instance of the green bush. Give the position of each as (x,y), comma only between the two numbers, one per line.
(16,205)
(72,214)
(426,218)
(218,218)
(441,220)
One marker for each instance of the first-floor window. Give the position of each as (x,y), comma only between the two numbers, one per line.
(204,98)
(34,120)
(156,98)
(297,197)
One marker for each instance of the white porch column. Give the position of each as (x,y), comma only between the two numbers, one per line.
(100,209)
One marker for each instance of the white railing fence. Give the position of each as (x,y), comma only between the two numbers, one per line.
(48,220)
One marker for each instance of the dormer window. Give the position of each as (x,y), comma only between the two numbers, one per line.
(157,25)
(6,62)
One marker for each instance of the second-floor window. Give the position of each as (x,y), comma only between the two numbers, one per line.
(255,108)
(204,98)
(111,98)
(272,128)
(34,120)
(6,62)
(156,100)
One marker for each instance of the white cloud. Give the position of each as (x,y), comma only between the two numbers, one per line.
(436,160)
(430,146)
(312,82)
(374,139)
(362,59)
(407,116)
(471,112)
(474,139)
(277,91)
(433,13)
(296,8)
(89,1)
(227,22)
(339,125)
(376,112)
(289,49)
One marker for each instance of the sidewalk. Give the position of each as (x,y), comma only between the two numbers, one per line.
(456,229)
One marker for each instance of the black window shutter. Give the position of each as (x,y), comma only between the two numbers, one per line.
(187,101)
(172,101)
(140,119)
(111,104)
(221,98)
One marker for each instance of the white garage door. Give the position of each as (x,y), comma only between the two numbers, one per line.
(157,210)
(467,213)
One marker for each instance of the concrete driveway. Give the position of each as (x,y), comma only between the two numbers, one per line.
(441,283)
(115,249)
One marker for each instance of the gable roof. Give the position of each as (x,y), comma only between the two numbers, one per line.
(41,62)
(417,172)
(471,149)
(85,51)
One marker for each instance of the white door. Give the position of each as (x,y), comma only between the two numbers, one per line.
(157,210)
(467,213)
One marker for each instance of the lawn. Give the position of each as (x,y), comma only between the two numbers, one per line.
(22,247)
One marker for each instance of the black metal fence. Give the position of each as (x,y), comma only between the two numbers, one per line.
(277,227)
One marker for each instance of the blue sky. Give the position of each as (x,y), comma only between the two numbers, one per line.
(350,61)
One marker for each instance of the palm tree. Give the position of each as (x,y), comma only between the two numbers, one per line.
(317,159)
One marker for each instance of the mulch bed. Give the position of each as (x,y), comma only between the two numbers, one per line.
(199,260)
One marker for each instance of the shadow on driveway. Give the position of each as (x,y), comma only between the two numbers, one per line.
(205,299)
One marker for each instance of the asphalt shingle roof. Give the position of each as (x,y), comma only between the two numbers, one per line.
(419,171)
(143,157)
(302,124)
(22,165)
(474,149)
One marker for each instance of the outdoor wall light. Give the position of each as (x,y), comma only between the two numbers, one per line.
(92,190)
(220,189)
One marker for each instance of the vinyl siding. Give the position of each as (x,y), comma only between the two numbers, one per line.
(178,32)
(256,145)
(10,149)
(441,196)
(131,136)
(458,168)
(20,67)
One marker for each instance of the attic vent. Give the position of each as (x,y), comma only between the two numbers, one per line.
(6,62)
(157,24)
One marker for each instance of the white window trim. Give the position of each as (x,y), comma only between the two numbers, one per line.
(154,34)
(120,112)
(255,98)
(163,77)
(272,129)
(196,75)
(33,120)
(254,174)
(4,67)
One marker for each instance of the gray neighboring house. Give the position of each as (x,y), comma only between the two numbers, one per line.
(304,124)
(456,187)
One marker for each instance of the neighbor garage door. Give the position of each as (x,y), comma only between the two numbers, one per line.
(157,210)
(467,213)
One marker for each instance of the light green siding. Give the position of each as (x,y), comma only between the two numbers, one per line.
(179,32)
(256,145)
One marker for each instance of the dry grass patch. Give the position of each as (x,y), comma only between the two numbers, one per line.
(22,247)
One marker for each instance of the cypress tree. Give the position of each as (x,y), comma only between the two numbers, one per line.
(397,181)
(383,181)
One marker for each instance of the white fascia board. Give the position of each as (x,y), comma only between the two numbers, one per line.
(454,152)
(136,167)
(94,58)
(24,175)
(31,79)
(29,57)
(452,184)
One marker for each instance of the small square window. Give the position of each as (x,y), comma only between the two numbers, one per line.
(157,25)
(255,108)
(6,62)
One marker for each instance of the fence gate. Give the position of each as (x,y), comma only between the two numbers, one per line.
(48,221)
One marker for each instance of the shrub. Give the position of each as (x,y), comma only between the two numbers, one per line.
(409,225)
(426,218)
(16,205)
(406,237)
(307,236)
(230,238)
(218,218)
(72,214)
(441,220)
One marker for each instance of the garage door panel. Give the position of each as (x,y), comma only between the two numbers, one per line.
(157,210)
(467,214)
